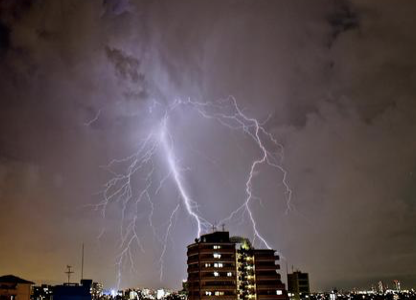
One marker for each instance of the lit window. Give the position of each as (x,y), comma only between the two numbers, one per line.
(217,247)
(279,292)
(217,293)
(207,265)
(208,293)
(216,274)
(229,274)
(217,255)
(218,265)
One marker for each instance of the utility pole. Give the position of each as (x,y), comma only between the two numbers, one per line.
(69,272)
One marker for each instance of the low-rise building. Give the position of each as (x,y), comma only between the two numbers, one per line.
(15,288)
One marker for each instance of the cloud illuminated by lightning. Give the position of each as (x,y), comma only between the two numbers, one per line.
(140,168)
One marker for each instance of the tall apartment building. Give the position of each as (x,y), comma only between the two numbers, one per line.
(224,268)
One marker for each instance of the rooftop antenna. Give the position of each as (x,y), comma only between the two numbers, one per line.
(82,263)
(69,272)
(223,227)
(214,227)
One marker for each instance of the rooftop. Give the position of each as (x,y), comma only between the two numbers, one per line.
(13,279)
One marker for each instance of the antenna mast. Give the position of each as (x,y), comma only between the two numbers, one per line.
(82,262)
(69,272)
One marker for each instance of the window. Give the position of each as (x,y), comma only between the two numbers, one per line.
(217,255)
(218,265)
(279,292)
(216,274)
(217,247)
(207,265)
(208,293)
(229,274)
(217,293)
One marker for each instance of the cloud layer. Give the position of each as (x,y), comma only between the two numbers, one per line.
(77,80)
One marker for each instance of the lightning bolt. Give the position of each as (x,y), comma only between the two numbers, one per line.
(139,168)
(190,205)
(235,119)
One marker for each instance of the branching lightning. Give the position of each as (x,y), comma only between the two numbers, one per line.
(140,168)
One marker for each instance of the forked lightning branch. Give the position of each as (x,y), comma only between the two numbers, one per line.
(160,142)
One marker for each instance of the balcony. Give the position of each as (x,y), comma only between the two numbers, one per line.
(266,258)
(275,286)
(192,259)
(223,269)
(223,297)
(221,251)
(231,287)
(271,296)
(193,270)
(223,278)
(213,259)
(268,267)
(268,277)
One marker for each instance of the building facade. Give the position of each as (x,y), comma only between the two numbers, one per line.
(298,284)
(14,288)
(224,268)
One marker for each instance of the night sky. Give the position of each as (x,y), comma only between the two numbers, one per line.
(335,80)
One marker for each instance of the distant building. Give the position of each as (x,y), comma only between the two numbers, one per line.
(298,284)
(396,285)
(381,287)
(216,268)
(96,290)
(42,292)
(14,288)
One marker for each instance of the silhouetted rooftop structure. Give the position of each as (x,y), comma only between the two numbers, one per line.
(13,279)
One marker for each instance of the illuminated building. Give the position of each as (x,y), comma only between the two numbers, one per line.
(96,290)
(43,292)
(14,288)
(298,284)
(220,267)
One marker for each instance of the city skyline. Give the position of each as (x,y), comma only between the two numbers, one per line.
(135,126)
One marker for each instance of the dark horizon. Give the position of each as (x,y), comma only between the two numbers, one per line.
(323,91)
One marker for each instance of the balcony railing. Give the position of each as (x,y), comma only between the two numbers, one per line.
(221,250)
(231,287)
(223,269)
(267,267)
(268,277)
(213,259)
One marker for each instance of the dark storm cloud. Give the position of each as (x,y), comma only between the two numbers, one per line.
(4,37)
(342,19)
(345,114)
(128,69)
